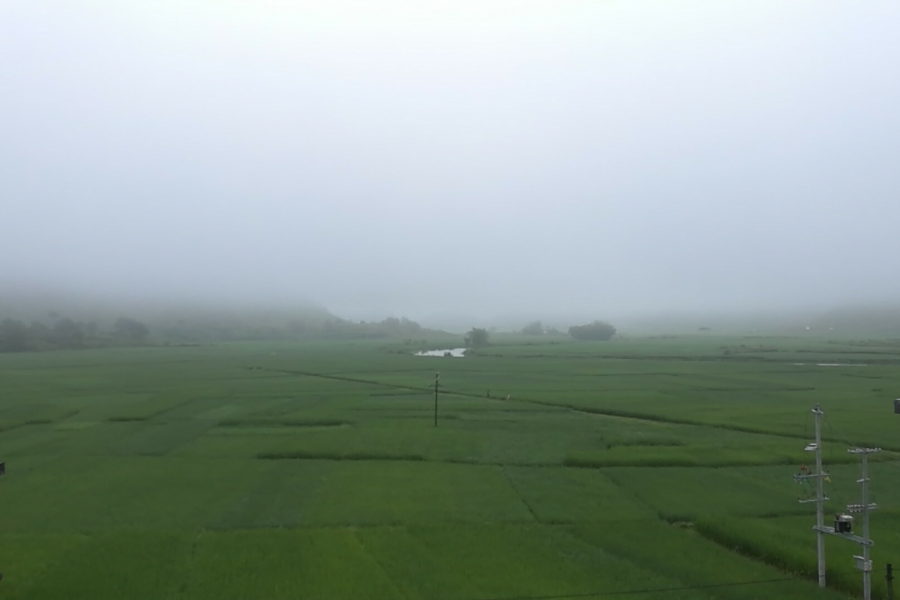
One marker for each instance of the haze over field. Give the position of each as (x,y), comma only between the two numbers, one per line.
(437,158)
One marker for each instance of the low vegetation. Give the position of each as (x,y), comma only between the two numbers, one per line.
(598,330)
(477,338)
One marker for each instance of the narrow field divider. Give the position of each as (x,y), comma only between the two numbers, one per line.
(607,412)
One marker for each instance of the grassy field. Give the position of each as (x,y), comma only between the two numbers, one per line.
(314,470)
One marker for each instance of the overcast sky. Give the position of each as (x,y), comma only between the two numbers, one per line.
(418,157)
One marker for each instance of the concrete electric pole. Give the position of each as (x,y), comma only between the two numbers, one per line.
(843,523)
(820,498)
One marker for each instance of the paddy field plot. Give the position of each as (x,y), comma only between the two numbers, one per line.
(557,468)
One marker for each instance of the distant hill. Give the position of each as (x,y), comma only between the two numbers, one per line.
(878,320)
(31,321)
(882,320)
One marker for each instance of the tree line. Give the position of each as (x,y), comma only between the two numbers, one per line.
(595,331)
(63,333)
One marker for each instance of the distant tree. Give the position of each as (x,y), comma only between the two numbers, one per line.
(477,337)
(91,328)
(392,323)
(39,336)
(131,330)
(409,325)
(534,328)
(598,330)
(14,336)
(68,334)
(299,327)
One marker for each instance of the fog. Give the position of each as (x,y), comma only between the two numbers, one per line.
(439,158)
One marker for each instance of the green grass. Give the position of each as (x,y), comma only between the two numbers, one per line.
(315,471)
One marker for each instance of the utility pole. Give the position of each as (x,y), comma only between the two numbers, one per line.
(2,472)
(437,378)
(820,499)
(890,581)
(843,523)
(863,563)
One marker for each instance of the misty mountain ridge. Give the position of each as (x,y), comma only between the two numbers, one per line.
(197,321)
(56,320)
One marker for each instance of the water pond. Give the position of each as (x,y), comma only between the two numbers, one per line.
(448,352)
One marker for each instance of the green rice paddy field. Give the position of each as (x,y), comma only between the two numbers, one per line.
(314,470)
